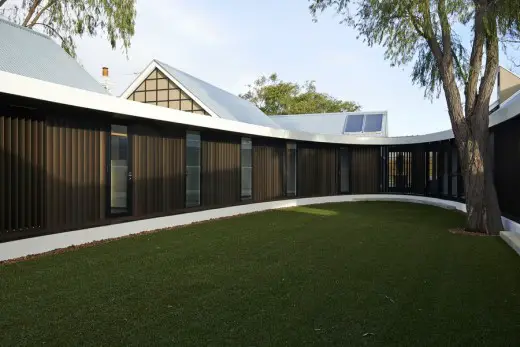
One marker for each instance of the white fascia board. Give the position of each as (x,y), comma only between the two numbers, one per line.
(32,88)
(148,70)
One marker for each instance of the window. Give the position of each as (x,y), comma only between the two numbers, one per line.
(373,123)
(354,123)
(344,171)
(192,169)
(291,169)
(246,168)
(119,169)
(399,171)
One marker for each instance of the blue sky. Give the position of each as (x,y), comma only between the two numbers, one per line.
(230,43)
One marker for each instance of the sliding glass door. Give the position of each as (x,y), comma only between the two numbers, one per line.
(193,159)
(120,172)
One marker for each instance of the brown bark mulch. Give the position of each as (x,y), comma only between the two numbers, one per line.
(460,231)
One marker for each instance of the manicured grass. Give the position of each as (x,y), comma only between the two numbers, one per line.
(336,274)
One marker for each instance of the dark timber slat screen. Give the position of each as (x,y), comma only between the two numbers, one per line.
(507,167)
(21,172)
(75,172)
(317,170)
(365,166)
(158,168)
(268,169)
(220,169)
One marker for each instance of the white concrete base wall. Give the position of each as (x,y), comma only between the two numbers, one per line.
(42,244)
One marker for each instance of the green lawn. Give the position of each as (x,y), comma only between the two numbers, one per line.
(337,274)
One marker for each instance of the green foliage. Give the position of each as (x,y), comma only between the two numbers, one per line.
(404,28)
(69,19)
(274,96)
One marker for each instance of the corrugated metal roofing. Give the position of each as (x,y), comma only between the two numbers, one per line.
(324,123)
(222,103)
(28,53)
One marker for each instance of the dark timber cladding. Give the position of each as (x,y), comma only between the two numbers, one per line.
(220,169)
(507,167)
(22,171)
(57,167)
(317,169)
(268,169)
(158,168)
(365,169)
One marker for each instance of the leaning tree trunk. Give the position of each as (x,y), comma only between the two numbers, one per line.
(483,212)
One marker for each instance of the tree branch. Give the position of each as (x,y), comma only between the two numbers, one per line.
(51,29)
(475,62)
(447,74)
(459,66)
(430,34)
(30,13)
(490,72)
(417,26)
(39,14)
(445,30)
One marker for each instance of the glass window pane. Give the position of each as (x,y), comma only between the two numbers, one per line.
(193,160)
(246,162)
(118,169)
(291,169)
(354,123)
(373,122)
(344,170)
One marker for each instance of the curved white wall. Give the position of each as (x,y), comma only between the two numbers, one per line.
(42,244)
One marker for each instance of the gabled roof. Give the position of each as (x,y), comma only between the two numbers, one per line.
(217,102)
(28,53)
(326,123)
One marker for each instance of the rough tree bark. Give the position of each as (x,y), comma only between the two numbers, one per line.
(483,212)
(471,124)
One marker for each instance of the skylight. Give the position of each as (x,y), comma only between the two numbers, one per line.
(373,123)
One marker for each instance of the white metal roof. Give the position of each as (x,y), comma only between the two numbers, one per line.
(217,102)
(327,123)
(28,53)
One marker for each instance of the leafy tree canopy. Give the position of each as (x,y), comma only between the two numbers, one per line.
(66,20)
(430,35)
(422,31)
(274,96)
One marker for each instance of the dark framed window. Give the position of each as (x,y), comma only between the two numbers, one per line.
(292,156)
(344,170)
(246,168)
(399,168)
(120,174)
(193,161)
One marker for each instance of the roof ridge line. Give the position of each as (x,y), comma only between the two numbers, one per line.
(32,31)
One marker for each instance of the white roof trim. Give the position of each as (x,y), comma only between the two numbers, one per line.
(32,88)
(148,70)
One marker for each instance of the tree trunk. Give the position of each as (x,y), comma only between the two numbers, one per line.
(483,212)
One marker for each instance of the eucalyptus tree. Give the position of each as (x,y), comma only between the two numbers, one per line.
(431,35)
(66,20)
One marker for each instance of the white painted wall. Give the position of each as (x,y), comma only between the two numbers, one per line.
(41,244)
